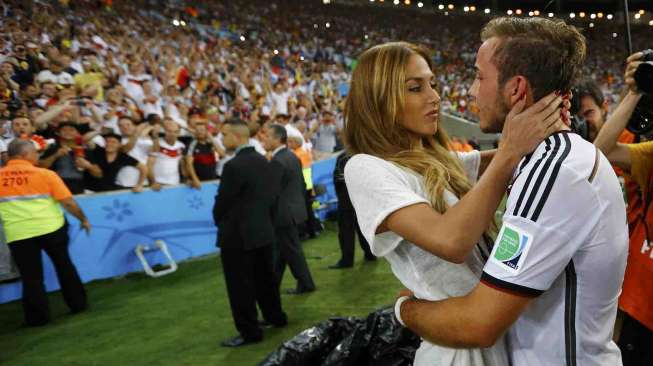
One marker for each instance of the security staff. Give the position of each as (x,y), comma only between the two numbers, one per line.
(33,221)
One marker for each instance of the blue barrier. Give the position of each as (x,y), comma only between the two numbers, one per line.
(180,216)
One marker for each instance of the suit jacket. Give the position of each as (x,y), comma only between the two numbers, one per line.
(344,202)
(291,205)
(243,209)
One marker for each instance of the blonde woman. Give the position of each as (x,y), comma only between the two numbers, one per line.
(413,198)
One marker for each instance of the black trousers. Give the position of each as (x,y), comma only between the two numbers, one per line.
(250,279)
(312,224)
(27,255)
(347,229)
(289,252)
(636,343)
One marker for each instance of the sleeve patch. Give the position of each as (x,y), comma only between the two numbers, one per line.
(511,248)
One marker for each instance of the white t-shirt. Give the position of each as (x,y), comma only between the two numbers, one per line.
(378,188)
(280,100)
(166,166)
(258,146)
(564,241)
(128,176)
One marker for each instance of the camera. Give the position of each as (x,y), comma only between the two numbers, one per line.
(641,121)
(644,73)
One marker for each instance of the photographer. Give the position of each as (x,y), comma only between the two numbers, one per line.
(637,161)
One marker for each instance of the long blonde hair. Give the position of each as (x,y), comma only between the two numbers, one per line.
(375,102)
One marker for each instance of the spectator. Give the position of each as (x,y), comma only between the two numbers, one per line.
(62,155)
(105,163)
(201,161)
(324,133)
(164,165)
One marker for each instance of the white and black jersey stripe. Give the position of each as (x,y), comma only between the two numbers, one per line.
(542,176)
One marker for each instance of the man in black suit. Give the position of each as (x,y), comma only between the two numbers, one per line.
(243,212)
(347,222)
(291,210)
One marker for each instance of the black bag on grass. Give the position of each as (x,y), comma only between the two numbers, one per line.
(378,340)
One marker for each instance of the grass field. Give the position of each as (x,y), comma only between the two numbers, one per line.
(181,318)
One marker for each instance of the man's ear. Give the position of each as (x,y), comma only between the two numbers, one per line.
(515,88)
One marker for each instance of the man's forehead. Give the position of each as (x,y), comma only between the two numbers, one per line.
(486,51)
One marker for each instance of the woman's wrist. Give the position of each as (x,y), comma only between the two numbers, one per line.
(507,157)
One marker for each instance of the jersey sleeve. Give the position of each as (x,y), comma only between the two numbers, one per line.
(377,189)
(549,215)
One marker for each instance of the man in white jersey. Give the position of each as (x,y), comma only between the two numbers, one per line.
(555,273)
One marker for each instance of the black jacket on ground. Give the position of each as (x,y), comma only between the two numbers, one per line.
(243,209)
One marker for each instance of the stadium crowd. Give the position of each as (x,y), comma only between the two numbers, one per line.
(164,79)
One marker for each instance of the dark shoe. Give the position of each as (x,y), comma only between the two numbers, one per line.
(340,266)
(238,341)
(370,258)
(294,291)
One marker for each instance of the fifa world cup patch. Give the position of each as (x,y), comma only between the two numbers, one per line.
(511,248)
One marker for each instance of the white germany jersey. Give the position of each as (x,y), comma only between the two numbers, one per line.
(564,240)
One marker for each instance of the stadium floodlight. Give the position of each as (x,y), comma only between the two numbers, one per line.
(609,17)
(599,15)
(466,9)
(638,15)
(591,25)
(242,38)
(301,58)
(315,25)
(407,2)
(530,13)
(420,4)
(276,52)
(551,15)
(367,37)
(328,25)
(396,2)
(614,35)
(509,12)
(518,11)
(441,6)
(446,13)
(175,23)
(572,15)
(650,23)
(641,12)
(183,23)
(581,14)
(537,13)
(326,2)
(371,1)
(472,8)
(450,6)
(487,10)
(592,16)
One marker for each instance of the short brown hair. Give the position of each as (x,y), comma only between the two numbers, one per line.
(549,53)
